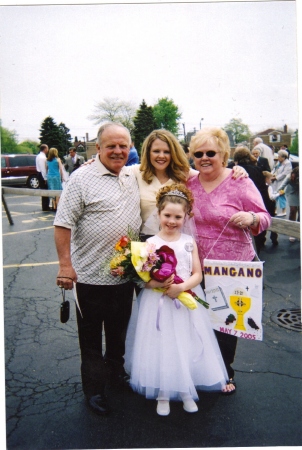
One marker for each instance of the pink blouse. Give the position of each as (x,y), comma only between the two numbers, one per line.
(212,212)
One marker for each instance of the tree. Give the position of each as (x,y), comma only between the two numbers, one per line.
(65,136)
(9,143)
(144,123)
(29,147)
(114,110)
(239,130)
(294,148)
(55,135)
(166,115)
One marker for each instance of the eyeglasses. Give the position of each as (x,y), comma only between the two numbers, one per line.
(209,154)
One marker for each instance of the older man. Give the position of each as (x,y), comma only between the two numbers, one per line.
(261,162)
(73,161)
(265,151)
(97,206)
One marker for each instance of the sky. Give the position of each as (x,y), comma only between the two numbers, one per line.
(216,61)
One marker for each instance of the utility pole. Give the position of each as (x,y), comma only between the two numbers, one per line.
(185,136)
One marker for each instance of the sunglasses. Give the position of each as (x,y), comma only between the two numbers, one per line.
(209,154)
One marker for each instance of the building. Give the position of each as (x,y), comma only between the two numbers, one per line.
(273,138)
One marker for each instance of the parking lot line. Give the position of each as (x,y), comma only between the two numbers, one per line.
(9,266)
(26,231)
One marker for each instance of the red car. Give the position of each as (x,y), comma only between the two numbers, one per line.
(19,170)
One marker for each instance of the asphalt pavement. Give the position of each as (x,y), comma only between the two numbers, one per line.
(45,407)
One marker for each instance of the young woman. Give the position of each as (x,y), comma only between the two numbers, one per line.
(54,173)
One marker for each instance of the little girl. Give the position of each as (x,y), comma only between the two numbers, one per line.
(172,351)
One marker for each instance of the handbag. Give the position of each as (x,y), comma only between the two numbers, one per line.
(64,308)
(234,292)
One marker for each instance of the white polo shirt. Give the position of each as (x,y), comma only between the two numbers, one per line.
(98,207)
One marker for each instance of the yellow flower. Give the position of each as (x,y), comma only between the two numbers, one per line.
(139,256)
(116,261)
(184,297)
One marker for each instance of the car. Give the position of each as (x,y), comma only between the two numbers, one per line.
(19,170)
(294,159)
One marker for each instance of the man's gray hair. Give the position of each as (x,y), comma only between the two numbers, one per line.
(258,140)
(107,125)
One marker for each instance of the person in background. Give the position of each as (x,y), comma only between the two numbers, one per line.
(225,211)
(280,171)
(290,187)
(285,147)
(265,151)
(54,170)
(244,158)
(272,207)
(133,157)
(41,169)
(98,205)
(186,148)
(262,163)
(73,161)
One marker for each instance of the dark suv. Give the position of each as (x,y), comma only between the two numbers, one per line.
(19,170)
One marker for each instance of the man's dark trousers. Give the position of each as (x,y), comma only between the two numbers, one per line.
(43,185)
(108,306)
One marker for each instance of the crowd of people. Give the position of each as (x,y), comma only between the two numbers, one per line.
(156,199)
(53,174)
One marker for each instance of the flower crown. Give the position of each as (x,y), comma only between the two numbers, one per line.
(177,193)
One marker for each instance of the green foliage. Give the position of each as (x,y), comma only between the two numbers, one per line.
(29,147)
(166,115)
(114,110)
(294,148)
(239,130)
(144,123)
(9,142)
(55,135)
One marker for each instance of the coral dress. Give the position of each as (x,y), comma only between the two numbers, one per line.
(169,349)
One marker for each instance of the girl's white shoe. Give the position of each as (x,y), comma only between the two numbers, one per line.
(189,405)
(163,407)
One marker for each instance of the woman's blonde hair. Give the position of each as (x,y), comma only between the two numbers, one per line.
(178,168)
(215,134)
(52,154)
(176,193)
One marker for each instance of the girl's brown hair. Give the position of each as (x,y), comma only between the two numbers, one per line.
(168,194)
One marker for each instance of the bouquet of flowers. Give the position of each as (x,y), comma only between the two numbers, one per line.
(141,262)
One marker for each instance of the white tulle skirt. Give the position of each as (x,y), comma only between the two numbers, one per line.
(171,352)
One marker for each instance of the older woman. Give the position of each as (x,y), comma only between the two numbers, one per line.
(291,186)
(223,208)
(280,171)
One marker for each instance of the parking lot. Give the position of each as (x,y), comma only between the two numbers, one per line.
(45,407)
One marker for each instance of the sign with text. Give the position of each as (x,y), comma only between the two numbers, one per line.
(234,293)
